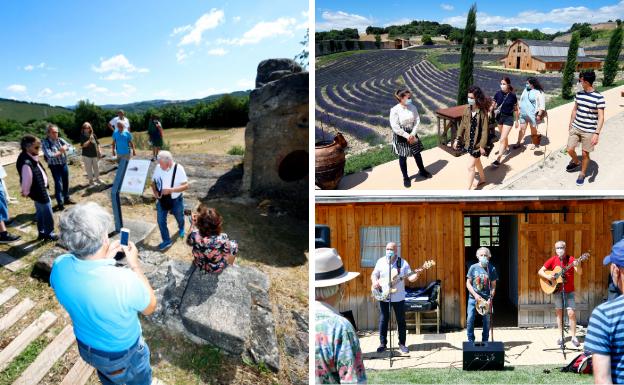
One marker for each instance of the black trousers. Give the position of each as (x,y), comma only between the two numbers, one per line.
(399,312)
(403,164)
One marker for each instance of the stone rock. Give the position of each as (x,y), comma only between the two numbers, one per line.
(46,260)
(275,69)
(216,308)
(263,344)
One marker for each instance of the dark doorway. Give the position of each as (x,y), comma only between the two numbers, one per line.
(499,233)
(518,62)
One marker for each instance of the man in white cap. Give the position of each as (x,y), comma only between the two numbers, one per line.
(337,349)
(606,326)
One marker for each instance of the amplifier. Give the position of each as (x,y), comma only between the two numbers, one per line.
(321,237)
(484,355)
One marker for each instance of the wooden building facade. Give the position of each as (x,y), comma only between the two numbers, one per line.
(542,55)
(520,232)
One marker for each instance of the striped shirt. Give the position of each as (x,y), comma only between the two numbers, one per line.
(605,335)
(587,106)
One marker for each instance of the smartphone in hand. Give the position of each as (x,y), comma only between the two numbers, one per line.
(124,236)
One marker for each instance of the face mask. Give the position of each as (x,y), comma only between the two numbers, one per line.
(579,87)
(483,260)
(560,252)
(389,254)
(409,101)
(503,87)
(528,87)
(471,101)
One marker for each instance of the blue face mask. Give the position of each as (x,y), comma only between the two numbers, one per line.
(389,254)
(409,101)
(471,101)
(483,261)
(528,87)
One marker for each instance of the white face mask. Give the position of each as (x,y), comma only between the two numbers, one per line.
(503,87)
(471,101)
(389,254)
(560,252)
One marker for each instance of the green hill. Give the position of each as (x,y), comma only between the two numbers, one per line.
(141,107)
(25,111)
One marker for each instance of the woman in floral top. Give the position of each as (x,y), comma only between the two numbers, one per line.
(213,250)
(338,357)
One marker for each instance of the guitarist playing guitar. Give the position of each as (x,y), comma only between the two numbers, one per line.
(563,260)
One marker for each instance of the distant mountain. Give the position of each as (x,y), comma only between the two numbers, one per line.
(158,103)
(25,111)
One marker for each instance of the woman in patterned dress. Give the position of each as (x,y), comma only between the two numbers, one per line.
(213,250)
(404,120)
(473,130)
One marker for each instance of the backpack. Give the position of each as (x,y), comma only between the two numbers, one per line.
(581,364)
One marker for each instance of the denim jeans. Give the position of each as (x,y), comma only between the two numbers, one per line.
(470,322)
(45,220)
(399,312)
(60,174)
(133,365)
(177,211)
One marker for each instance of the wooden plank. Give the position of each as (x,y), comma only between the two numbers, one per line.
(46,359)
(29,334)
(15,314)
(11,263)
(79,373)
(7,294)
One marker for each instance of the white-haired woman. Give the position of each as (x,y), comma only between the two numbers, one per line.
(481,284)
(169,181)
(103,300)
(338,357)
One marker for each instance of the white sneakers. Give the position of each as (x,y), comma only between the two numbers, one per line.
(574,341)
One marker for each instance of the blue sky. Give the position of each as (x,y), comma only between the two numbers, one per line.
(59,52)
(548,16)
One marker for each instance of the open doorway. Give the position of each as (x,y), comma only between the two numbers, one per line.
(499,233)
(518,62)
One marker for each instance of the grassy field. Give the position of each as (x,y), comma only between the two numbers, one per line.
(328,59)
(542,374)
(558,100)
(24,111)
(274,245)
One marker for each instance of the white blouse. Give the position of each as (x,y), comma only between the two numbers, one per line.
(404,116)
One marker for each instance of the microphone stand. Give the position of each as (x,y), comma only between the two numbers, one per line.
(563,312)
(490,308)
(390,307)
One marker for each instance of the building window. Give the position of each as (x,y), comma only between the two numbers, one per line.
(488,231)
(373,241)
(467,232)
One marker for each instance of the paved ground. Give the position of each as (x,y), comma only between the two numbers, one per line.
(523,346)
(450,172)
(604,171)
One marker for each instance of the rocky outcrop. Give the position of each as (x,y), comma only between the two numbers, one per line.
(275,69)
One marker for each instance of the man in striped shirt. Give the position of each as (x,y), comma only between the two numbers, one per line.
(605,333)
(585,123)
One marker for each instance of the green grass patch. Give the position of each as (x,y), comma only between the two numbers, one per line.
(21,362)
(559,101)
(236,150)
(324,60)
(25,111)
(535,374)
(380,155)
(433,57)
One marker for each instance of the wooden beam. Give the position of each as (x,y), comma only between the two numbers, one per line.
(7,294)
(15,314)
(46,359)
(79,373)
(29,334)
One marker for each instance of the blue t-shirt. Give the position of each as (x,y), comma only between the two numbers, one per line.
(122,142)
(480,280)
(605,335)
(102,300)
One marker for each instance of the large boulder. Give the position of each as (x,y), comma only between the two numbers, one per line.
(275,69)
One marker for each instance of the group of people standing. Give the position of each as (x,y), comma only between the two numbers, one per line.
(475,138)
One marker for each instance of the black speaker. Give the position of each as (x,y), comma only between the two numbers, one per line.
(484,355)
(617,231)
(321,235)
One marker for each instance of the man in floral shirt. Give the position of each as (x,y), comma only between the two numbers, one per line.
(338,357)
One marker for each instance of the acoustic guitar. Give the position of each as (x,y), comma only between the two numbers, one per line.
(383,293)
(550,287)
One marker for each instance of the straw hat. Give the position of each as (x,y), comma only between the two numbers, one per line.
(328,268)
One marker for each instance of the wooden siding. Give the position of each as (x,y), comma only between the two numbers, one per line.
(435,231)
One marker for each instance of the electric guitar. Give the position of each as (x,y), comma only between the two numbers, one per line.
(550,287)
(383,293)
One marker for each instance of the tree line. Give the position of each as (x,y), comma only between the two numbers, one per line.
(227,111)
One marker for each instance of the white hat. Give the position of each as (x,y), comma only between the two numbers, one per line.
(328,268)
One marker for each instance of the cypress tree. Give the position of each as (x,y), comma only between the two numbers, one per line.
(611,64)
(570,67)
(467,56)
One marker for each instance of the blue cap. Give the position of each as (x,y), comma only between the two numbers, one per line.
(617,254)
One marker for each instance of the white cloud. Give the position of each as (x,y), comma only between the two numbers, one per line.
(95,89)
(447,7)
(17,88)
(207,21)
(264,30)
(342,20)
(29,67)
(125,91)
(117,76)
(561,18)
(45,93)
(119,67)
(63,95)
(236,19)
(217,52)
(178,30)
(181,55)
(246,83)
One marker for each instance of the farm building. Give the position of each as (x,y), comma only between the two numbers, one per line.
(520,232)
(542,55)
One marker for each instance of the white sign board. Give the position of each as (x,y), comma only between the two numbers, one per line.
(136,174)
